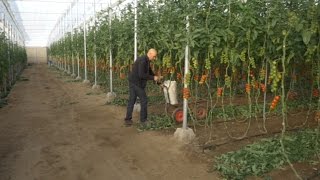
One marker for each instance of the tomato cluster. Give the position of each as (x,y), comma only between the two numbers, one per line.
(122,75)
(317,116)
(196,77)
(256,85)
(263,87)
(275,77)
(208,64)
(262,74)
(243,55)
(203,79)
(219,91)
(187,79)
(248,88)
(274,102)
(292,94)
(179,76)
(186,93)
(172,70)
(227,80)
(315,93)
(217,73)
(195,63)
(167,61)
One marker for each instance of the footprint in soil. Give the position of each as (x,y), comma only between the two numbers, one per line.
(43,167)
(106,140)
(84,175)
(52,162)
(49,162)
(132,161)
(63,143)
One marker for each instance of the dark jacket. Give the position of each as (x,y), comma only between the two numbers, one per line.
(141,72)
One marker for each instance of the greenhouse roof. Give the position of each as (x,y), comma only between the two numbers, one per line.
(39,17)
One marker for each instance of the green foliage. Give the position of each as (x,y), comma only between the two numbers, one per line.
(3,55)
(13,59)
(237,33)
(3,102)
(266,155)
(119,102)
(158,122)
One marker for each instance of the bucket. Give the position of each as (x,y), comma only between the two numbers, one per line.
(170,92)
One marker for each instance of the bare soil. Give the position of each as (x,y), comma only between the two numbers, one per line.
(54,128)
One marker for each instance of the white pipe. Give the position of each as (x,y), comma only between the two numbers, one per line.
(85,41)
(186,71)
(60,31)
(95,46)
(7,35)
(64,47)
(78,58)
(37,60)
(71,13)
(135,30)
(110,50)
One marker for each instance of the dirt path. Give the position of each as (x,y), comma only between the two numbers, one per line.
(52,129)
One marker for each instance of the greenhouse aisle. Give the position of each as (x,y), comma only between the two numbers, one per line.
(54,128)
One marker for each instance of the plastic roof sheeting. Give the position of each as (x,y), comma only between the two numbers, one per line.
(39,17)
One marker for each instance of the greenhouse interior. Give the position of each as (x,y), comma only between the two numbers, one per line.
(159,89)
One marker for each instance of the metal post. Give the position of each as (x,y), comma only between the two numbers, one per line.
(78,58)
(37,60)
(60,42)
(10,63)
(94,45)
(85,41)
(135,30)
(72,57)
(110,95)
(60,36)
(64,46)
(186,71)
(110,48)
(60,66)
(8,41)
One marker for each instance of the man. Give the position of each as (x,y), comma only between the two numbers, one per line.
(140,74)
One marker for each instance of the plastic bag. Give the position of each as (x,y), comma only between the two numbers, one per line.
(170,92)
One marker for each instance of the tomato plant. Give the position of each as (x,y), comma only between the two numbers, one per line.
(13,59)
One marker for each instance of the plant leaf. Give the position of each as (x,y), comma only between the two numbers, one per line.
(306,36)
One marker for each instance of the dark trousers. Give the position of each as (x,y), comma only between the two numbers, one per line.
(134,92)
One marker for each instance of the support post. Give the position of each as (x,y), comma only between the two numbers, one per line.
(110,95)
(185,134)
(86,81)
